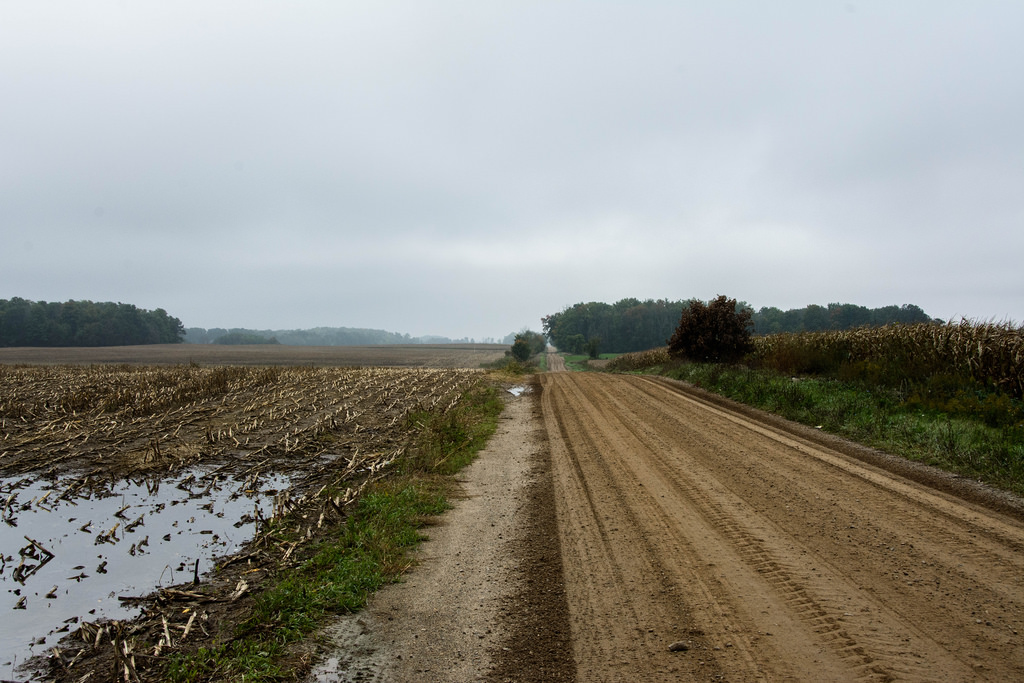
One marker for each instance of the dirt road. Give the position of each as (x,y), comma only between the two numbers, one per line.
(556,363)
(763,553)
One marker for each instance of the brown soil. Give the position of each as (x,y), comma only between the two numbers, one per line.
(762,553)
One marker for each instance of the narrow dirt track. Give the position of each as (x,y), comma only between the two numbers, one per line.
(769,555)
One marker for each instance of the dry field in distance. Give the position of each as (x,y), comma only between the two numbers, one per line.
(391,355)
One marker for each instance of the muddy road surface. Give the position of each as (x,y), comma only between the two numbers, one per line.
(759,552)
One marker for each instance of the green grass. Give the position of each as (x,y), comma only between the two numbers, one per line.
(973,445)
(342,573)
(578,362)
(448,442)
(368,550)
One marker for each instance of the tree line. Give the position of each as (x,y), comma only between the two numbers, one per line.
(814,318)
(237,338)
(318,336)
(627,325)
(84,323)
(634,325)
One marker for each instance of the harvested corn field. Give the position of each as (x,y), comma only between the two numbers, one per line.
(131,420)
(118,480)
(383,355)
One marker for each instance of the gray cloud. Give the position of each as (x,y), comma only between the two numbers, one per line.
(464,168)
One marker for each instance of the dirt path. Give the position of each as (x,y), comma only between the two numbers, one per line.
(556,363)
(766,554)
(487,583)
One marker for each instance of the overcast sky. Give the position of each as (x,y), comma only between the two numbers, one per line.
(463,168)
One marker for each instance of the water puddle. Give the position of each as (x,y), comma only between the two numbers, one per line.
(66,558)
(519,391)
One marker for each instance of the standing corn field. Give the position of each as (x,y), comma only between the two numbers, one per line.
(991,354)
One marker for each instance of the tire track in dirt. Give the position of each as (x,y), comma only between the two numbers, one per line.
(993,546)
(751,540)
(936,548)
(773,556)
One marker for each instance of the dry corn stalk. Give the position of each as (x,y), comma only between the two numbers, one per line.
(991,353)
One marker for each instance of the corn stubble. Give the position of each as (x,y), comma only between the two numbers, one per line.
(99,423)
(335,431)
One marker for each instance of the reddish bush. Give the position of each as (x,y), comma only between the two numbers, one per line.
(716,332)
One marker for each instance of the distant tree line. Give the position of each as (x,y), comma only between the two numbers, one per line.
(318,336)
(84,323)
(244,338)
(815,318)
(634,325)
(627,325)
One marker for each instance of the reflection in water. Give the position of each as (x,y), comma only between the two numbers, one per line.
(68,557)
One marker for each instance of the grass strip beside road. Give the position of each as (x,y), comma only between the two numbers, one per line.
(877,417)
(370,549)
(579,362)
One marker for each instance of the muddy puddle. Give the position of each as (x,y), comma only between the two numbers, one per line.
(68,557)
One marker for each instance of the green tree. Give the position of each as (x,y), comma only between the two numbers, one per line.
(627,325)
(528,343)
(521,349)
(84,323)
(816,318)
(538,343)
(576,344)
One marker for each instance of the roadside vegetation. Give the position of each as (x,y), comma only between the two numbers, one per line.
(337,574)
(948,395)
(525,357)
(582,362)
(634,325)
(511,367)
(542,362)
